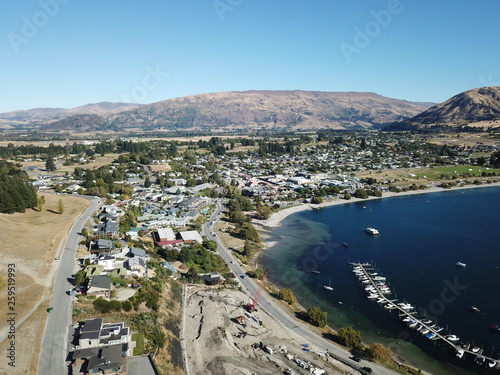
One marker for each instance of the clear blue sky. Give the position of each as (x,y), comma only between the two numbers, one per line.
(73,52)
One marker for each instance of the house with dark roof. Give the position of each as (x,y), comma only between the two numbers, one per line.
(102,246)
(103,346)
(99,285)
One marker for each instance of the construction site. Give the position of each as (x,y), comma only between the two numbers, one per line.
(225,332)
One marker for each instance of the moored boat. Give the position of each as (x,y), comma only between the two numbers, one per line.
(460,264)
(452,338)
(372,231)
(460,353)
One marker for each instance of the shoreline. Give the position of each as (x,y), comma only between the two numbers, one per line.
(265,227)
(277,217)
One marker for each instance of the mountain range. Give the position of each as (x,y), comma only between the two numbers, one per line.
(228,111)
(265,110)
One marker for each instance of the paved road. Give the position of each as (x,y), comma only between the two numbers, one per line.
(55,345)
(267,304)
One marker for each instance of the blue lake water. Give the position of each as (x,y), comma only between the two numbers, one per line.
(422,237)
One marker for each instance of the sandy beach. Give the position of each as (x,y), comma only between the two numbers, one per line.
(276,218)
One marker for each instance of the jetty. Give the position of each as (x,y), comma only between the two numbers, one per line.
(378,291)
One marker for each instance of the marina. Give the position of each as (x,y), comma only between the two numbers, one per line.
(378,291)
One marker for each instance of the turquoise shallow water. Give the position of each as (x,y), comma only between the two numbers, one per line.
(422,237)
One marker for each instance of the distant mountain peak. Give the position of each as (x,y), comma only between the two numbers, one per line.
(476,106)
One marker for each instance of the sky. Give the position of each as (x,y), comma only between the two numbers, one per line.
(67,53)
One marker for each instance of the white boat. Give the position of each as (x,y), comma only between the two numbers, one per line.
(475,349)
(492,363)
(452,338)
(372,231)
(460,264)
(328,287)
(460,353)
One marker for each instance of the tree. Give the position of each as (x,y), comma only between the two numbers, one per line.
(79,278)
(248,232)
(147,182)
(350,338)
(317,200)
(263,212)
(60,206)
(49,164)
(347,196)
(316,317)
(361,193)
(287,296)
(41,202)
(380,353)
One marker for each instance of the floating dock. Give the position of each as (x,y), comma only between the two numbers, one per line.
(379,292)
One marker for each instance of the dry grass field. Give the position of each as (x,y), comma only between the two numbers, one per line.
(31,241)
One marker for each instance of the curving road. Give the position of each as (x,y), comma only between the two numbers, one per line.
(56,345)
(268,305)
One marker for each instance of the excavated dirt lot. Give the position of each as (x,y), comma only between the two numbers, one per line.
(221,338)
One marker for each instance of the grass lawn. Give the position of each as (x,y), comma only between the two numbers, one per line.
(431,174)
(139,343)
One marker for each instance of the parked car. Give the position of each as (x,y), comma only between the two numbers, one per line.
(50,309)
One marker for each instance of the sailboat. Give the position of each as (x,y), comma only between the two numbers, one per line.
(328,287)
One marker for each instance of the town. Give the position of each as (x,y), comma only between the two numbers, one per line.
(163,205)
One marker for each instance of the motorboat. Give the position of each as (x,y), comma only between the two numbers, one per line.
(438,329)
(492,363)
(495,327)
(345,244)
(474,309)
(372,231)
(431,336)
(452,338)
(316,272)
(328,287)
(460,264)
(460,353)
(425,331)
(480,360)
(475,349)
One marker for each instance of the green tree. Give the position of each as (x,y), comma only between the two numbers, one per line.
(380,353)
(360,193)
(317,317)
(263,212)
(127,306)
(248,232)
(79,278)
(287,296)
(147,182)
(41,202)
(350,338)
(49,164)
